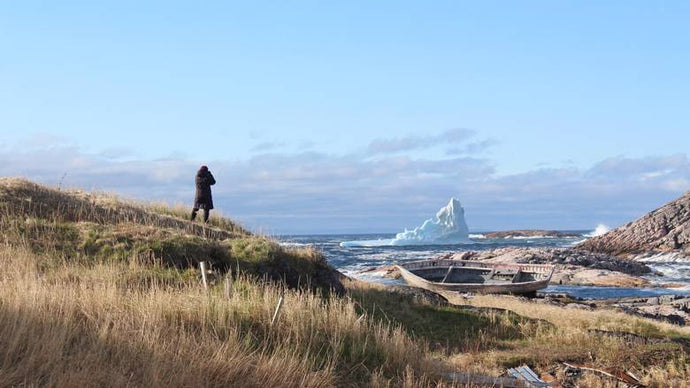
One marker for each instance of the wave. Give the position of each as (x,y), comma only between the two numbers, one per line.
(672,272)
(663,257)
(672,266)
(599,230)
(367,243)
(477,236)
(293,244)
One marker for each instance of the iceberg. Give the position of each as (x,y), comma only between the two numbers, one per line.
(447,227)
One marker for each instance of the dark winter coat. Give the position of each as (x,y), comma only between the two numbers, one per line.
(203,198)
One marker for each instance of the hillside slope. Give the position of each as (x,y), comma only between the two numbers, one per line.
(662,230)
(93,228)
(22,198)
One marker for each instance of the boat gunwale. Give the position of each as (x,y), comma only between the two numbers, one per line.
(521,287)
(421,264)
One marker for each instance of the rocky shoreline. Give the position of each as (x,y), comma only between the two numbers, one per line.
(581,268)
(572,266)
(669,308)
(525,233)
(614,259)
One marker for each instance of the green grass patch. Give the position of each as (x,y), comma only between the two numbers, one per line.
(444,326)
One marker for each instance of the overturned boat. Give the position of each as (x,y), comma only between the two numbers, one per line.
(476,276)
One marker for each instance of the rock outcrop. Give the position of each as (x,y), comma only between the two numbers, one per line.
(669,308)
(663,230)
(530,233)
(573,266)
(567,257)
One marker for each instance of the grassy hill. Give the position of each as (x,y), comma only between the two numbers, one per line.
(75,227)
(100,291)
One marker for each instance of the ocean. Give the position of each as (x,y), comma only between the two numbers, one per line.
(351,260)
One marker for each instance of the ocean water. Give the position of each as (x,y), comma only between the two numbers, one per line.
(352,260)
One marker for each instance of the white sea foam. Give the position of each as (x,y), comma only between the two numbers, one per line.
(368,243)
(671,270)
(578,241)
(477,236)
(448,226)
(599,230)
(293,244)
(663,257)
(673,266)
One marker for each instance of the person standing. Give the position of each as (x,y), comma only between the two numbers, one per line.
(203,199)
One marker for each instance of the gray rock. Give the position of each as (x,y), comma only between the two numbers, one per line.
(578,306)
(559,256)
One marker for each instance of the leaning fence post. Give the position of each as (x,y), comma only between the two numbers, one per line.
(202,264)
(228,285)
(275,315)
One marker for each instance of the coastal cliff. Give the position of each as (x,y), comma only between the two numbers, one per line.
(665,229)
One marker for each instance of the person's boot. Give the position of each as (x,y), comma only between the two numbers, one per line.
(193,216)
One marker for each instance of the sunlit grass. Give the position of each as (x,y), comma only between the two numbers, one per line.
(96,290)
(654,351)
(113,324)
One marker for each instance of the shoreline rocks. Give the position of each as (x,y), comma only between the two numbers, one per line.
(573,266)
(670,308)
(577,267)
(558,256)
(521,233)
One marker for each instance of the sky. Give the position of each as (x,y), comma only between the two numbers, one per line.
(347,117)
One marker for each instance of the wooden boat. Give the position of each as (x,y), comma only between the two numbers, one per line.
(476,276)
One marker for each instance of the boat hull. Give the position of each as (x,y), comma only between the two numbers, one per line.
(435,268)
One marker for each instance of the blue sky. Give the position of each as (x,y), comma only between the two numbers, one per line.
(354,116)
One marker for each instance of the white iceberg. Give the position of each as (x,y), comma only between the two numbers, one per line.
(447,227)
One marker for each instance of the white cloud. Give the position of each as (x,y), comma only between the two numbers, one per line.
(316,192)
(409,143)
(676,185)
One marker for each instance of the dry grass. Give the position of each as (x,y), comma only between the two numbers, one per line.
(584,319)
(80,325)
(22,199)
(654,351)
(86,228)
(97,291)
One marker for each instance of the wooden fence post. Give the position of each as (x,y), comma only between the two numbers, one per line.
(228,285)
(275,315)
(203,274)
